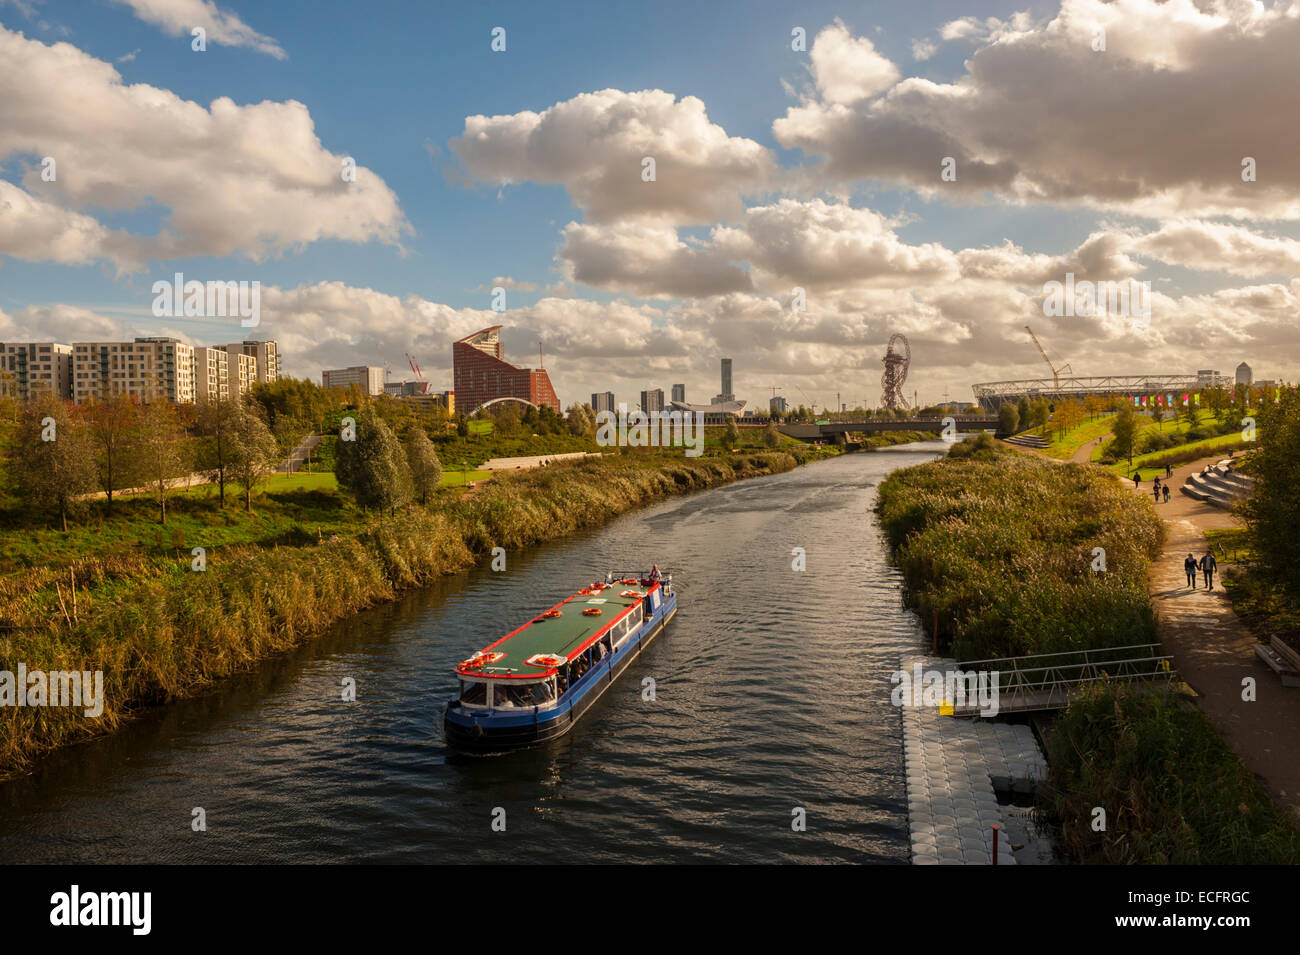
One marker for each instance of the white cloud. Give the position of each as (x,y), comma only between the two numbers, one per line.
(847,69)
(250,180)
(1218,246)
(593,145)
(1155,125)
(180,17)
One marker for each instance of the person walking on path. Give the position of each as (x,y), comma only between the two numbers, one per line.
(1155,492)
(1169,470)
(1137,480)
(1189,568)
(1208,566)
(1166,492)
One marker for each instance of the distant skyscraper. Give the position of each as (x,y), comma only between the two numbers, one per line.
(777,404)
(602,401)
(652,401)
(679,392)
(726,380)
(1244,375)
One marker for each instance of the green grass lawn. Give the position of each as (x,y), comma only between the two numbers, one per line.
(1065,446)
(457,478)
(1152,464)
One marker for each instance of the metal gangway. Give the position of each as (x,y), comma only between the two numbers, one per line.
(1048,681)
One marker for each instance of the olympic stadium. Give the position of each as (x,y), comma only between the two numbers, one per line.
(990,394)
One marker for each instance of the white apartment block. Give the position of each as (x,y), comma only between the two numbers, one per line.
(266,356)
(211,374)
(30,369)
(147,368)
(243,372)
(369,378)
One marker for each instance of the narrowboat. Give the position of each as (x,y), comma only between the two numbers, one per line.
(534,683)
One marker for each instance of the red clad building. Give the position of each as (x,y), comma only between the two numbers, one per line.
(481,374)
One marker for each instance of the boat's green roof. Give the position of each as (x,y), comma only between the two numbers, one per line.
(566,635)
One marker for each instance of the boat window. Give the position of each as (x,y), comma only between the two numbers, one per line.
(475,694)
(541,693)
(508,694)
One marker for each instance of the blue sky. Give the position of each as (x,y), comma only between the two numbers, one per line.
(392,84)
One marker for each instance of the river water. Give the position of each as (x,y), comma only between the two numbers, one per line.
(771,695)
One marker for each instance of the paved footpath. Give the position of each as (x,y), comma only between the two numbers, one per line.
(1214,651)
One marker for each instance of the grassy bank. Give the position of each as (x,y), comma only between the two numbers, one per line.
(132,607)
(887,439)
(1172,790)
(1001,547)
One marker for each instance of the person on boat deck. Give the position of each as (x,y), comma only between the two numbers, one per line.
(654,574)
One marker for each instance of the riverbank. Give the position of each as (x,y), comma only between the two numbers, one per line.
(160,629)
(999,549)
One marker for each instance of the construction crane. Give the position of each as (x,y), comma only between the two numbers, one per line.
(419,375)
(1056,372)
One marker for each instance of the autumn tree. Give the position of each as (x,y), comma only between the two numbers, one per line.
(422,459)
(1124,431)
(162,453)
(216,422)
(372,466)
(253,452)
(112,426)
(53,454)
(581,419)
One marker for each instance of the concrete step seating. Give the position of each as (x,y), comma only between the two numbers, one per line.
(1220,485)
(1027,441)
(1281,659)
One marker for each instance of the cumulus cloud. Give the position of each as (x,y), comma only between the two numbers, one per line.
(648,260)
(506,282)
(1157,124)
(1220,246)
(847,69)
(962,331)
(251,180)
(180,17)
(61,323)
(593,145)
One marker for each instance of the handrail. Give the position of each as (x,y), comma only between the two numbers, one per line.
(1061,653)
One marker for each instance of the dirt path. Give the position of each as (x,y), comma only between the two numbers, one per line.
(1213,648)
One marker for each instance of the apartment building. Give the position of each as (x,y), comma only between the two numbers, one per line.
(147,368)
(242,372)
(30,369)
(211,374)
(266,356)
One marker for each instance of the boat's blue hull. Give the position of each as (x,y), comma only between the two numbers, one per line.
(480,730)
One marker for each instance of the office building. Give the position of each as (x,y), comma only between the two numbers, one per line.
(369,378)
(481,374)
